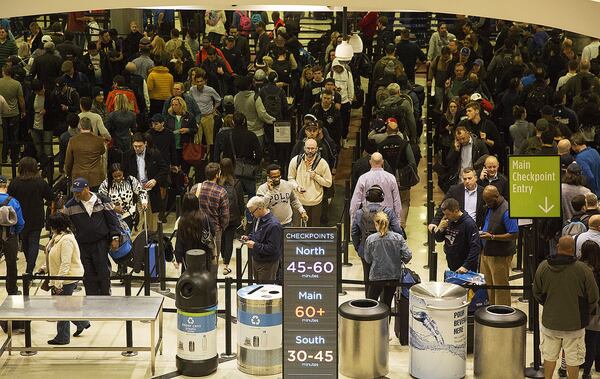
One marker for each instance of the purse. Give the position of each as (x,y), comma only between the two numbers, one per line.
(242,169)
(194,152)
(407,176)
(408,276)
(46,283)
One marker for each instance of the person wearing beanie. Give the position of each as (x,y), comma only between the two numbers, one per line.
(98,103)
(144,63)
(47,67)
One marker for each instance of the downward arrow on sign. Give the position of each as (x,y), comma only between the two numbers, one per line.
(546,208)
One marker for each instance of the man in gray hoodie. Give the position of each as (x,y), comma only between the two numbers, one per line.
(568,291)
(247,102)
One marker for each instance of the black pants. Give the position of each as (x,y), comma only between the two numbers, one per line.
(9,248)
(366,271)
(227,243)
(592,348)
(383,290)
(96,276)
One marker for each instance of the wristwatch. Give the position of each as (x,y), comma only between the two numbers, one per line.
(493,237)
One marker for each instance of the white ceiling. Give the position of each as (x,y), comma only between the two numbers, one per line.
(580,16)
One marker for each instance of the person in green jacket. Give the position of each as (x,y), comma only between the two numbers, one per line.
(568,291)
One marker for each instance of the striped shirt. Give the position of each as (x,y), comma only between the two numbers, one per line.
(7,48)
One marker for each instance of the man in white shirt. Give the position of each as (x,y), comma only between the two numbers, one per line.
(280,197)
(591,50)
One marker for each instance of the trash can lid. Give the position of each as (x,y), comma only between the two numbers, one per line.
(438,290)
(500,316)
(364,310)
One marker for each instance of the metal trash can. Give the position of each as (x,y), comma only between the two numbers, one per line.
(364,338)
(438,331)
(259,329)
(505,326)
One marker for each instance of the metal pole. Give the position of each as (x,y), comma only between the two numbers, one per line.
(534,319)
(250,278)
(162,263)
(431,255)
(341,291)
(177,206)
(238,267)
(228,353)
(346,241)
(128,324)
(521,240)
(147,271)
(26,285)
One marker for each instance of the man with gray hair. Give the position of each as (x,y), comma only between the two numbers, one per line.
(399,106)
(84,156)
(591,208)
(265,240)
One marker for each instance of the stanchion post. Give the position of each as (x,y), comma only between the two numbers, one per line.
(520,242)
(431,255)
(238,267)
(177,206)
(250,278)
(228,353)
(536,370)
(341,291)
(147,270)
(128,324)
(161,260)
(346,240)
(26,285)
(357,147)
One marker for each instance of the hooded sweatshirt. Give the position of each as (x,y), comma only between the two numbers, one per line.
(568,291)
(343,81)
(252,107)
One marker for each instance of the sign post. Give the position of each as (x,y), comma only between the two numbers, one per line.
(534,192)
(310,303)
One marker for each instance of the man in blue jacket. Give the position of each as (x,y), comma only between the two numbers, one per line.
(97,229)
(589,160)
(266,240)
(9,241)
(461,236)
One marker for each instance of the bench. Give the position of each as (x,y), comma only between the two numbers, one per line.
(77,308)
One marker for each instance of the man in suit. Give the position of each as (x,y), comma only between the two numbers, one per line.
(152,170)
(84,155)
(465,152)
(469,196)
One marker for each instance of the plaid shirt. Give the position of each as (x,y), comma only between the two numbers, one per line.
(213,200)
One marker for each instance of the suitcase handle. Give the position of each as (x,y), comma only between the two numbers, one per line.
(464,304)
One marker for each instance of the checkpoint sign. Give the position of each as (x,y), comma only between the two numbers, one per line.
(534,186)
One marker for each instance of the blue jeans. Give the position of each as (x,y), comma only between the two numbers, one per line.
(31,248)
(63,328)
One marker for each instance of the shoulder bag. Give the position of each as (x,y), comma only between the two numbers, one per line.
(242,168)
(194,151)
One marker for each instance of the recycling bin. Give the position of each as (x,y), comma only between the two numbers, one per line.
(363,338)
(260,329)
(438,331)
(505,326)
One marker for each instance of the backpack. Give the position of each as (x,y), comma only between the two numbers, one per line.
(272,103)
(367,225)
(234,216)
(255,19)
(245,22)
(536,99)
(8,217)
(573,228)
(314,165)
(213,18)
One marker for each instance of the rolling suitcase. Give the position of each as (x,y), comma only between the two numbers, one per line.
(401,321)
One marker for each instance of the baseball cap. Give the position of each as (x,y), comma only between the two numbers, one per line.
(391,119)
(478,62)
(465,51)
(158,117)
(309,117)
(547,110)
(476,96)
(3,179)
(79,185)
(46,38)
(230,38)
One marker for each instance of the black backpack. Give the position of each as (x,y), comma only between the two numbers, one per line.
(536,99)
(234,215)
(272,103)
(367,225)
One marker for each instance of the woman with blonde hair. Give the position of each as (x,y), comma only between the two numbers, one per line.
(159,52)
(121,123)
(175,66)
(387,252)
(183,125)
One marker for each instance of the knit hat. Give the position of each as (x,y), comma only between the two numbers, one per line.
(465,51)
(478,62)
(46,38)
(260,76)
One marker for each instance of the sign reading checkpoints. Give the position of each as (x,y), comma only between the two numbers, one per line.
(534,186)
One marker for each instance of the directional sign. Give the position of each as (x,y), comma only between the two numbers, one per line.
(534,186)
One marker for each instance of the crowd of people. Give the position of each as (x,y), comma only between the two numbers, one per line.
(145,115)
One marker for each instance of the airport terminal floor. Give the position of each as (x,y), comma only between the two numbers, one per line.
(74,364)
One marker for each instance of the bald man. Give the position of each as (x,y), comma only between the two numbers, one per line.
(564,150)
(593,233)
(384,179)
(568,291)
(499,234)
(490,175)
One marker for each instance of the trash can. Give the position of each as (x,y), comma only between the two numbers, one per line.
(438,331)
(364,338)
(505,326)
(259,329)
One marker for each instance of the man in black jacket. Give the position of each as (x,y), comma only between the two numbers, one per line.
(97,229)
(469,196)
(461,236)
(326,112)
(484,129)
(152,170)
(466,150)
(46,67)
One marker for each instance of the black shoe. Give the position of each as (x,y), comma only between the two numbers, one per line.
(79,331)
(586,376)
(562,373)
(55,342)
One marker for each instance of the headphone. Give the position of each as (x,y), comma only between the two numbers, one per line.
(375,194)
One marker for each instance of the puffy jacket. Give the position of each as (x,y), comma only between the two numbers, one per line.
(160,83)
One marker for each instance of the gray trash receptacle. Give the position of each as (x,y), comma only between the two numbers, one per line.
(364,338)
(499,325)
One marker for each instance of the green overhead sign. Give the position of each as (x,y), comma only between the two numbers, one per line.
(534,186)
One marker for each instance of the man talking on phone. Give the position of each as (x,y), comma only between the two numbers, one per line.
(490,176)
(280,197)
(460,235)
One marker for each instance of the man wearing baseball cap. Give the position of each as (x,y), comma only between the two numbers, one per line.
(9,240)
(97,229)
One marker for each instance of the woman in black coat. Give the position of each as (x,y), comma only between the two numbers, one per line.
(183,125)
(194,231)
(30,190)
